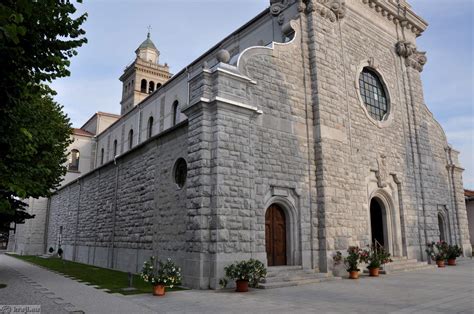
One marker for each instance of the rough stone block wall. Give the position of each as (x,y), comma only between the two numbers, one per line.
(282,150)
(349,145)
(120,214)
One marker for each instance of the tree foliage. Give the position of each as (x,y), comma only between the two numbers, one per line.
(37,40)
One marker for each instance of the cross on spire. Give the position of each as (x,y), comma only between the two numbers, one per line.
(149,31)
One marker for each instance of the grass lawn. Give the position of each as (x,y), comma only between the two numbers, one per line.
(112,280)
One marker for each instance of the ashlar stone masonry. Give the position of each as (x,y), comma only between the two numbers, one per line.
(275,116)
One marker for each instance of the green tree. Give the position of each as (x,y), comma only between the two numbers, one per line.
(37,40)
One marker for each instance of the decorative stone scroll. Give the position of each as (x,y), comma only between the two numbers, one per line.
(276,6)
(330,9)
(413,58)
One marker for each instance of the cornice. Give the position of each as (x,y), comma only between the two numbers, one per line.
(400,14)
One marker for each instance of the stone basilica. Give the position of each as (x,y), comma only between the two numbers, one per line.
(303,132)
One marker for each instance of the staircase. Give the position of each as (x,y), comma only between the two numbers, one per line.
(288,276)
(402,264)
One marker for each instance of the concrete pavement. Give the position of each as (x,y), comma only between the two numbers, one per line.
(73,296)
(448,290)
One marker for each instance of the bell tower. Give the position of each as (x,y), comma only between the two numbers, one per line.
(143,76)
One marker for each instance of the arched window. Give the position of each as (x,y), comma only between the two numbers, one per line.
(130,139)
(143,86)
(151,87)
(150,127)
(373,94)
(158,85)
(74,160)
(180,172)
(102,156)
(115,148)
(175,112)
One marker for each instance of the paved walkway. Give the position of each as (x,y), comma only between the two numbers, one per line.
(449,290)
(55,293)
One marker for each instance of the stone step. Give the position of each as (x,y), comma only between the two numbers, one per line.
(283,270)
(292,283)
(403,268)
(402,264)
(296,276)
(403,261)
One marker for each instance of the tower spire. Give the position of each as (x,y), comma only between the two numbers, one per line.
(149,31)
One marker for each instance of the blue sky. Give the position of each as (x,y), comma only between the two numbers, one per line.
(184,29)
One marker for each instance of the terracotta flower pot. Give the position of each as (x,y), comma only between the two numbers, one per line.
(241,286)
(374,272)
(354,274)
(440,263)
(159,290)
(451,261)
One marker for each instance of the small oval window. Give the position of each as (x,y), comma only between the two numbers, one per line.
(180,172)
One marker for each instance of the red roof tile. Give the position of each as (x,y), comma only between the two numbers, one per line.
(468,193)
(81,132)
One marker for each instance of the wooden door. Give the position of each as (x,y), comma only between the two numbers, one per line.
(275,236)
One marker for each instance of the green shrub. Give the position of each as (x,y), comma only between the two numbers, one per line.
(251,270)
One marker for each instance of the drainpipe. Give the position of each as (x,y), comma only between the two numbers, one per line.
(114,210)
(139,124)
(187,96)
(74,252)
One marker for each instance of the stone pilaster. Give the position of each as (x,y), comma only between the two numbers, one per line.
(220,203)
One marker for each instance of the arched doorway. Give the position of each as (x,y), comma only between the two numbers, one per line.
(442,232)
(377,224)
(275,236)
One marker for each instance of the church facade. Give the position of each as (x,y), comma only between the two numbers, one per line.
(302,133)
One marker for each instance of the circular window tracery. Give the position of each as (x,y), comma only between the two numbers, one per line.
(373,94)
(180,172)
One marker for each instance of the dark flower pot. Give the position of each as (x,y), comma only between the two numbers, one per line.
(159,290)
(374,272)
(241,286)
(354,274)
(451,261)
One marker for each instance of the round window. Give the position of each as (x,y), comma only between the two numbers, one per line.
(180,172)
(373,94)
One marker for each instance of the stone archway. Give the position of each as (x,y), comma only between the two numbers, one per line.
(442,231)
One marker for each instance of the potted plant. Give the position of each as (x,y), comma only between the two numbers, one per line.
(437,251)
(51,250)
(161,275)
(60,253)
(452,253)
(245,273)
(351,261)
(375,257)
